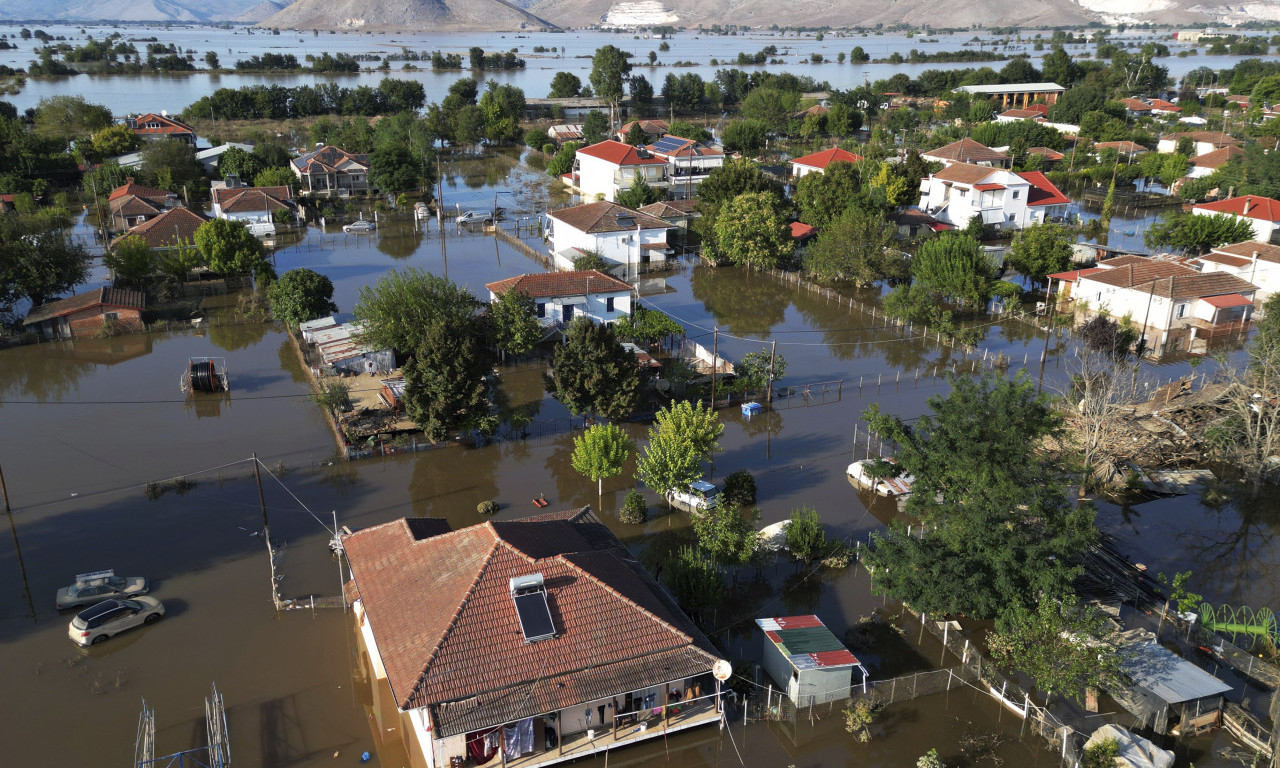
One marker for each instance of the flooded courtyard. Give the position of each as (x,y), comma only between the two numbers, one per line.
(108,465)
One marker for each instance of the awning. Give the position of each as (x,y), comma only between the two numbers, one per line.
(1228,300)
(987,187)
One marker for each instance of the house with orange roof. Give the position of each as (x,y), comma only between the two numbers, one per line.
(1258,263)
(1001,199)
(818,161)
(562,296)
(174,228)
(257,207)
(519,643)
(153,127)
(968,151)
(617,233)
(689,163)
(1262,213)
(1206,164)
(331,171)
(1202,142)
(132,203)
(88,313)
(602,170)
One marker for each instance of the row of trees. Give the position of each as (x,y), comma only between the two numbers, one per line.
(278,102)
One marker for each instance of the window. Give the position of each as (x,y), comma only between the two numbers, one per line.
(961,192)
(1016,192)
(542,309)
(566,314)
(1182,310)
(1012,217)
(110,316)
(608,304)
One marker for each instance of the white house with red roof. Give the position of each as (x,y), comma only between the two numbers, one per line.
(689,163)
(131,203)
(602,170)
(1003,199)
(818,161)
(153,127)
(1262,213)
(1176,307)
(330,171)
(1254,262)
(257,207)
(562,296)
(619,234)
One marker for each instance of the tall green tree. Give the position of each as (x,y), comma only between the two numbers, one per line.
(394,169)
(592,373)
(639,194)
(398,308)
(565,85)
(859,246)
(610,67)
(727,533)
(229,248)
(595,127)
(682,436)
(751,232)
(131,260)
(1195,234)
(445,387)
(513,318)
(758,370)
(1000,530)
(602,451)
(824,197)
(1066,647)
(953,266)
(745,136)
(68,117)
(38,258)
(1040,250)
(301,295)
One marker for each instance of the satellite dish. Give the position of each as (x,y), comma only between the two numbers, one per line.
(721,670)
(164,113)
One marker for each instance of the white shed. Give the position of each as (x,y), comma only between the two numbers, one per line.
(805,658)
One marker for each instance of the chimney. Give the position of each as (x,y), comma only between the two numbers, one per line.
(1254,258)
(128,179)
(1248,200)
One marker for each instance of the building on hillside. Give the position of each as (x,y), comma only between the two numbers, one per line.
(1202,142)
(688,163)
(1253,262)
(131,203)
(1016,94)
(174,228)
(968,151)
(88,314)
(1175,308)
(257,207)
(1262,213)
(524,642)
(807,661)
(602,170)
(1002,199)
(332,172)
(619,234)
(562,296)
(153,127)
(1206,164)
(653,130)
(818,162)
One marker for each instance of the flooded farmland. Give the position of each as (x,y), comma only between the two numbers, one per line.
(97,430)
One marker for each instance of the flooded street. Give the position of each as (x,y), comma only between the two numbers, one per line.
(90,424)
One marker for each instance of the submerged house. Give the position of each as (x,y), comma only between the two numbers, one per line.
(331,171)
(619,234)
(1165,689)
(520,643)
(562,296)
(131,203)
(88,313)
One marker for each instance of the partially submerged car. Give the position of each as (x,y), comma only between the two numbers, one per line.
(474,217)
(698,496)
(111,617)
(91,587)
(363,226)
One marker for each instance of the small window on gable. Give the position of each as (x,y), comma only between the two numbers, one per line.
(1016,193)
(542,309)
(608,304)
(1182,310)
(1012,217)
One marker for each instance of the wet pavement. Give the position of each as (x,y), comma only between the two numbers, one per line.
(90,423)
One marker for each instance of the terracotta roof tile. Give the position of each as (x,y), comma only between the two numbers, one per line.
(1217,158)
(827,157)
(967,151)
(246,199)
(1228,300)
(1252,206)
(620,154)
(130,187)
(1129,275)
(1216,138)
(1222,258)
(1125,147)
(131,205)
(327,159)
(671,209)
(173,227)
(604,216)
(105,296)
(964,173)
(1265,251)
(1042,191)
(546,285)
(1200,285)
(441,612)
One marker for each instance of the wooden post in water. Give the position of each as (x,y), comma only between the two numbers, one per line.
(266,529)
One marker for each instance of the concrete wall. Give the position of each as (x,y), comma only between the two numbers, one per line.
(621,247)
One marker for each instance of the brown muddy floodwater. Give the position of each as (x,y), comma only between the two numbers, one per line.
(86,425)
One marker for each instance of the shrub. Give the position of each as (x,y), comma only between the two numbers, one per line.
(806,537)
(535,138)
(590,260)
(549,148)
(489,507)
(634,510)
(740,489)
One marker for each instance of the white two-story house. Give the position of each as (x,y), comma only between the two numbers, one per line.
(1003,199)
(562,296)
(688,163)
(255,206)
(602,170)
(1251,261)
(1262,213)
(619,234)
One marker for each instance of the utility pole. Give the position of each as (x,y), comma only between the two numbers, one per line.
(266,529)
(773,355)
(715,364)
(4,492)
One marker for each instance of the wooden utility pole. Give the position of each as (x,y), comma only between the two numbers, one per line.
(773,355)
(715,364)
(4,492)
(266,529)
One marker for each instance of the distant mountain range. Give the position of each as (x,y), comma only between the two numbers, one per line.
(449,15)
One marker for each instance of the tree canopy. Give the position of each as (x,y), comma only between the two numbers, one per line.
(602,451)
(445,386)
(1195,234)
(592,373)
(1040,250)
(301,295)
(859,246)
(229,248)
(514,322)
(682,436)
(751,232)
(398,308)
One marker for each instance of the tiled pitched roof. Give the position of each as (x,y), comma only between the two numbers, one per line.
(245,199)
(658,127)
(1022,114)
(1162,104)
(689,148)
(604,216)
(1222,258)
(105,296)
(967,151)
(1125,147)
(1252,206)
(617,153)
(441,612)
(1216,138)
(1045,152)
(675,209)
(1245,250)
(1042,191)
(547,285)
(173,227)
(131,205)
(1217,158)
(1135,105)
(326,159)
(800,230)
(1228,300)
(165,126)
(964,173)
(137,190)
(827,157)
(1130,275)
(1200,285)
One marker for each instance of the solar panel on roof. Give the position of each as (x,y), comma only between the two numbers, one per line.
(535,616)
(669,143)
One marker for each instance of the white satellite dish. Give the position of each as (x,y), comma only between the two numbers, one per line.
(164,113)
(721,670)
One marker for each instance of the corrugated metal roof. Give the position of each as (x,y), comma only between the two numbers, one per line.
(807,643)
(1171,678)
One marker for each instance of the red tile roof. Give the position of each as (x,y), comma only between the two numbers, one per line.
(137,190)
(1075,274)
(827,157)
(176,226)
(1136,105)
(327,159)
(603,216)
(1125,147)
(247,199)
(967,151)
(620,154)
(130,205)
(1246,250)
(1162,104)
(1132,274)
(441,611)
(152,124)
(800,230)
(1042,191)
(1222,258)
(1217,158)
(1228,300)
(987,187)
(671,209)
(1216,138)
(98,297)
(964,173)
(547,285)
(1251,206)
(1046,153)
(1022,114)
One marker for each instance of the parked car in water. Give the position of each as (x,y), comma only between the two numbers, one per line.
(91,587)
(698,496)
(360,227)
(111,617)
(474,217)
